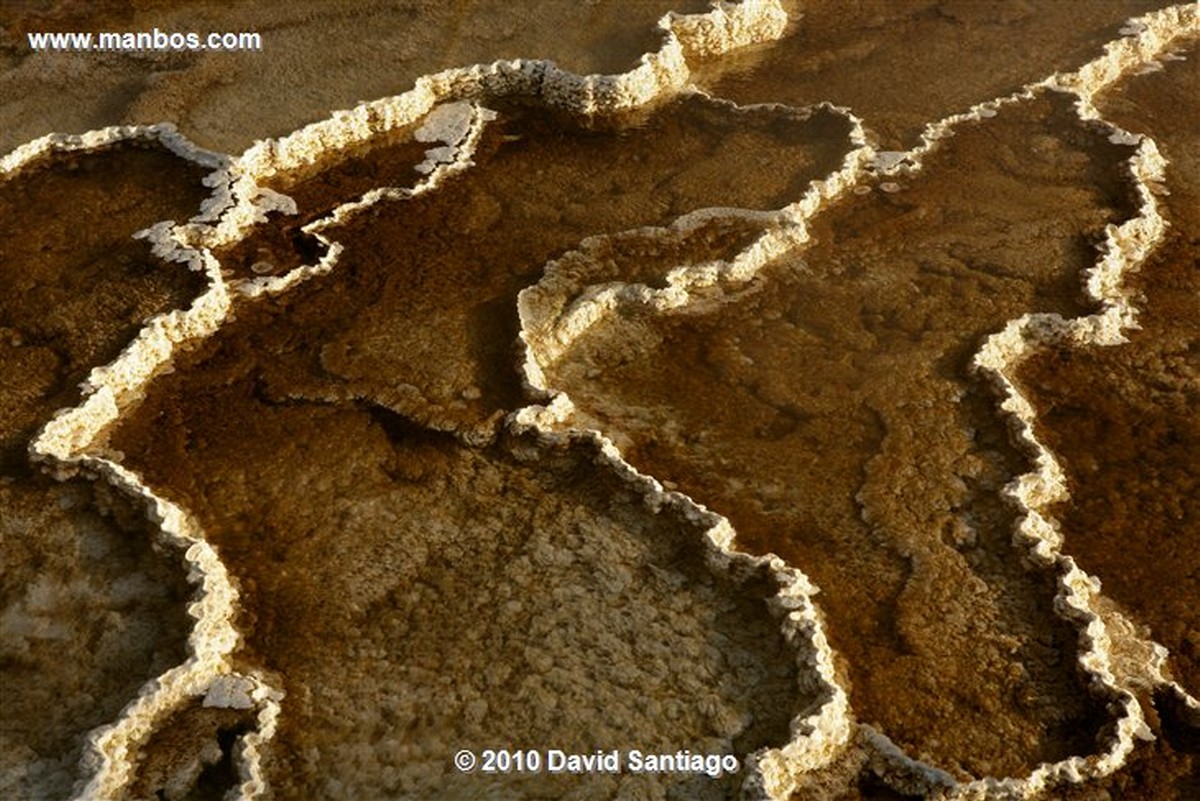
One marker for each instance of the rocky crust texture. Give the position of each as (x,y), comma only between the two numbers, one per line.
(730,388)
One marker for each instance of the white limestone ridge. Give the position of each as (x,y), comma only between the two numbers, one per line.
(444,110)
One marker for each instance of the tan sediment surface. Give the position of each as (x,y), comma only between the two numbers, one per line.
(193,754)
(851,356)
(371,50)
(77,286)
(832,396)
(901,66)
(90,613)
(90,610)
(419,318)
(490,600)
(1124,423)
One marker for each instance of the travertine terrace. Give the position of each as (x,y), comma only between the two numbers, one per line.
(745,382)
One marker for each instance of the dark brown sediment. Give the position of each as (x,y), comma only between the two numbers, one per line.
(279,244)
(192,755)
(415,326)
(77,285)
(1167,769)
(274,247)
(420,313)
(1123,420)
(901,66)
(386,161)
(339,441)
(491,594)
(826,410)
(91,611)
(1124,426)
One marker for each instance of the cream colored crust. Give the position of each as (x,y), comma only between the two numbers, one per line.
(75,439)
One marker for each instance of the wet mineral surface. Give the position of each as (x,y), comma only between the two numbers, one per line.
(532,412)
(834,393)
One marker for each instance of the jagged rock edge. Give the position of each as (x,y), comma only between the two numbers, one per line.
(1125,248)
(658,74)
(817,737)
(73,441)
(1028,324)
(67,445)
(1154,34)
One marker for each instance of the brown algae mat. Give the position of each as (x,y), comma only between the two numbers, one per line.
(91,611)
(533,410)
(377,345)
(77,286)
(1124,423)
(832,395)
(861,55)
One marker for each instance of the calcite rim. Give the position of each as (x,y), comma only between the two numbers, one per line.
(75,439)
